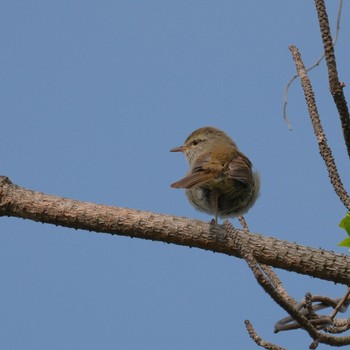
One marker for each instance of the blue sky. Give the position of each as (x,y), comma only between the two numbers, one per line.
(93,96)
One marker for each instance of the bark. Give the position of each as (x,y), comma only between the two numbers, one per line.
(19,202)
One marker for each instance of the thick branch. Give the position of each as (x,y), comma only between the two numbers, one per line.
(19,202)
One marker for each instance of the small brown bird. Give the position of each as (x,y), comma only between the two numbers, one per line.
(220,181)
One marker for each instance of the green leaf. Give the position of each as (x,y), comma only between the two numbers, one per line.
(345,243)
(345,223)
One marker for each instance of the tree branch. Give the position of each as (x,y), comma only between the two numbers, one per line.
(257,339)
(336,87)
(318,61)
(288,304)
(19,202)
(325,150)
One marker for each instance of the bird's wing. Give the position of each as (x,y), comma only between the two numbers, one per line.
(199,174)
(193,179)
(240,169)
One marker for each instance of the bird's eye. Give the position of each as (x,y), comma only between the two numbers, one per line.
(195,142)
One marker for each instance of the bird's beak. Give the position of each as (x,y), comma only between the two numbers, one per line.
(178,149)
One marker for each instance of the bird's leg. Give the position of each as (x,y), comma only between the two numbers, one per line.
(216,200)
(244,224)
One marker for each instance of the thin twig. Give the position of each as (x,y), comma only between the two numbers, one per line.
(328,302)
(270,274)
(339,326)
(325,150)
(318,61)
(340,304)
(277,283)
(257,339)
(266,284)
(336,87)
(269,288)
(308,308)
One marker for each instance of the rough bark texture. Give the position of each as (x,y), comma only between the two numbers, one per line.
(325,150)
(336,87)
(19,202)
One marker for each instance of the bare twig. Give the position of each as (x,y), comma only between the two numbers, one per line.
(326,323)
(339,326)
(269,288)
(257,339)
(265,283)
(336,87)
(329,302)
(308,308)
(276,282)
(342,301)
(270,274)
(310,312)
(325,150)
(318,61)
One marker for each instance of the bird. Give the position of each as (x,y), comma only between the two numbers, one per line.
(220,180)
